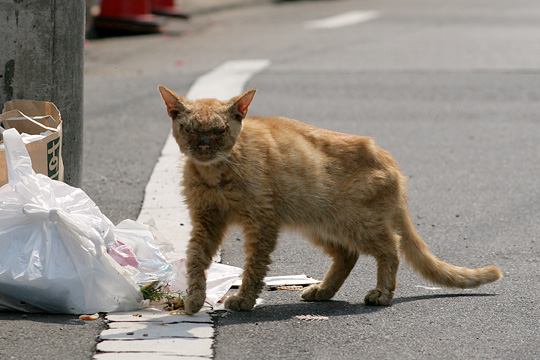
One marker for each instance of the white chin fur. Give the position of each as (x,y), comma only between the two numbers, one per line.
(212,161)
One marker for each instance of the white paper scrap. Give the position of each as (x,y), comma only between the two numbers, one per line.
(428,287)
(273,281)
(220,278)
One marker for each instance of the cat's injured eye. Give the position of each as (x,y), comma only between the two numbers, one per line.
(187,130)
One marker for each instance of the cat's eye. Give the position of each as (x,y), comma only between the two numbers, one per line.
(219,131)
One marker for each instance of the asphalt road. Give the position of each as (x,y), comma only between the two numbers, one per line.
(452,92)
(452,89)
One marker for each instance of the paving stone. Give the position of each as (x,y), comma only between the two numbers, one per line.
(145,356)
(176,346)
(155,315)
(153,330)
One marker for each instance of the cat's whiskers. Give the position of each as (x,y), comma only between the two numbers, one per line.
(233,166)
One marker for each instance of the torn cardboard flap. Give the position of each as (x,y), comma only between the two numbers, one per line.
(33,108)
(29,125)
(42,123)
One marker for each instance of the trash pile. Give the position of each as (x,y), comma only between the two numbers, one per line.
(60,254)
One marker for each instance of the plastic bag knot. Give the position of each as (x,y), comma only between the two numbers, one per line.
(40,212)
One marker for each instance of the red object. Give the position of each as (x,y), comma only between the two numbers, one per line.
(125,8)
(163,3)
(126,16)
(167,8)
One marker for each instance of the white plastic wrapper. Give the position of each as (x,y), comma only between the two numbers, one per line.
(219,279)
(53,256)
(141,253)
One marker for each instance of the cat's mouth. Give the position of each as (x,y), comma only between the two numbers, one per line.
(203,156)
(204,153)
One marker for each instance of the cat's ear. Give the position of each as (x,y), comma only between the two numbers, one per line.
(240,104)
(173,102)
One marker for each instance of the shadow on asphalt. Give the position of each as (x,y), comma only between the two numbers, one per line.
(437,296)
(280,312)
(43,318)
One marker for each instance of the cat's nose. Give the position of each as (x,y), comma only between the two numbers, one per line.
(204,147)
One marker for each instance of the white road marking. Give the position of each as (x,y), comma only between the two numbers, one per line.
(227,80)
(341,20)
(163,204)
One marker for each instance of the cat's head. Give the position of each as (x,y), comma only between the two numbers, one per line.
(206,129)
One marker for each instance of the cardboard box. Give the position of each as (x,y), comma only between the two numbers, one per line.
(42,120)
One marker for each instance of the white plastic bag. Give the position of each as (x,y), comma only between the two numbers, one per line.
(52,245)
(139,251)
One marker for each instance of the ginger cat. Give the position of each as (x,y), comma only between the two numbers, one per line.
(343,192)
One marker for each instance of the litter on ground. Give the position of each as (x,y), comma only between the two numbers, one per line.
(89,317)
(273,282)
(311,317)
(428,287)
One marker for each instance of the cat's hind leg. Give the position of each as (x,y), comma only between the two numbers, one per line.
(385,251)
(343,261)
(259,243)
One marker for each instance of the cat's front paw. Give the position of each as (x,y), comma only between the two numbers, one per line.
(316,293)
(239,303)
(194,302)
(379,297)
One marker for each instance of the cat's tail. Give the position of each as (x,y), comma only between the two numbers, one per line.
(435,270)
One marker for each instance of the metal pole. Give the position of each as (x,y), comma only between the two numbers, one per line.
(41,58)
